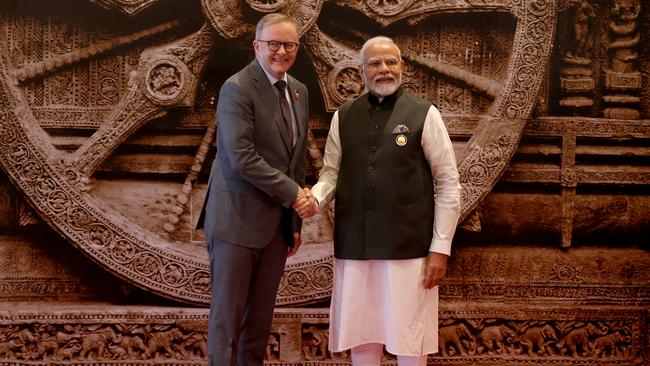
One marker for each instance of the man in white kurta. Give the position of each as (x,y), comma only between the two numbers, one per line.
(387,295)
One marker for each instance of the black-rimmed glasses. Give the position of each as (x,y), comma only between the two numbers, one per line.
(275,45)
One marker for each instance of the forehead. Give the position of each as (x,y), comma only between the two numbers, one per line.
(283,31)
(381,50)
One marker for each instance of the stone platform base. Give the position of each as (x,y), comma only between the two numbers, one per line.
(470,334)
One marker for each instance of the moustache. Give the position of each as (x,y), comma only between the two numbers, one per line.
(384,78)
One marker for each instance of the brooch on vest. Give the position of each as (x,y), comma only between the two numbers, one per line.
(400,130)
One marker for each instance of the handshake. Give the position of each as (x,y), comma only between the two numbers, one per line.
(305,204)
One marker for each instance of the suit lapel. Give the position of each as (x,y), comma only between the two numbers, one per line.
(297,108)
(301,119)
(268,96)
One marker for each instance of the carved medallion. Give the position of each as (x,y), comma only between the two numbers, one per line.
(165,81)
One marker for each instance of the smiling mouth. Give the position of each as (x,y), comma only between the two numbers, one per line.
(384,80)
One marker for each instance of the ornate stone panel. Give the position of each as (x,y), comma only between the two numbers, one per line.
(470,334)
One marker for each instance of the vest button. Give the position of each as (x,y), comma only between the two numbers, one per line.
(373,148)
(368,213)
(371,169)
(374,127)
(370,190)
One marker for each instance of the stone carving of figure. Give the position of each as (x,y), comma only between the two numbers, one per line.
(624,35)
(131,344)
(578,340)
(494,338)
(272,348)
(538,339)
(314,343)
(94,343)
(194,346)
(610,345)
(453,336)
(69,352)
(163,341)
(584,13)
(576,30)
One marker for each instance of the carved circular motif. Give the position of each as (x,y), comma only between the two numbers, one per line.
(99,235)
(122,251)
(146,263)
(173,274)
(345,82)
(44,186)
(297,281)
(58,201)
(532,54)
(477,174)
(56,191)
(19,154)
(165,81)
(537,32)
(31,171)
(322,277)
(200,282)
(79,218)
(491,155)
(8,136)
(386,8)
(266,6)
(526,76)
(231,20)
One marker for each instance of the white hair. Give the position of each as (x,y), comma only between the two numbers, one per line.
(378,39)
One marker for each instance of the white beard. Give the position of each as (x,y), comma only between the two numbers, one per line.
(385,89)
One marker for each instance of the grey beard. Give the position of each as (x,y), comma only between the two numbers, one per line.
(384,90)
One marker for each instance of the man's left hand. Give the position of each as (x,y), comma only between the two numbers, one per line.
(435,267)
(296,244)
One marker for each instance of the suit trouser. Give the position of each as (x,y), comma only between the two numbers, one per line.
(244,285)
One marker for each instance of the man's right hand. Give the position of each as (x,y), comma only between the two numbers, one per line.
(305,204)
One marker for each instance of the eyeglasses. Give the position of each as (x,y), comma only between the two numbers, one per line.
(391,63)
(275,45)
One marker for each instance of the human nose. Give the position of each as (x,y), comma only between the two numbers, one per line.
(281,49)
(383,67)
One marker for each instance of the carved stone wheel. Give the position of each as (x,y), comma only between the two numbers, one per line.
(55,184)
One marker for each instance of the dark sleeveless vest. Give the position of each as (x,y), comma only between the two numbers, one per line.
(384,191)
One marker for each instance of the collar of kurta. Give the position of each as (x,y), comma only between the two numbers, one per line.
(387,102)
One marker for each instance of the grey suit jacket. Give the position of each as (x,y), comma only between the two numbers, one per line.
(257,172)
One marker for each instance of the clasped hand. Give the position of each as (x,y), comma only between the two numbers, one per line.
(305,204)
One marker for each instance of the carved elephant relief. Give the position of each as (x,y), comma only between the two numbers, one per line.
(453,336)
(578,341)
(94,344)
(610,345)
(538,340)
(163,342)
(493,338)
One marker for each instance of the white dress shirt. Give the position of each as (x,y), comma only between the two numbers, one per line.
(287,96)
(439,152)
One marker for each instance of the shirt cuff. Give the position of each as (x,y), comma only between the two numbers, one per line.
(440,246)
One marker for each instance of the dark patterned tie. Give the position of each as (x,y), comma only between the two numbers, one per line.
(286,110)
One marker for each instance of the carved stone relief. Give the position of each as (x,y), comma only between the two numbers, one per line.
(168,75)
(477,335)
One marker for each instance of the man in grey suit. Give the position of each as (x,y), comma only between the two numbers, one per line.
(250,211)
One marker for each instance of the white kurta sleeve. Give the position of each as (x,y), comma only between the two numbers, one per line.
(325,189)
(439,152)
